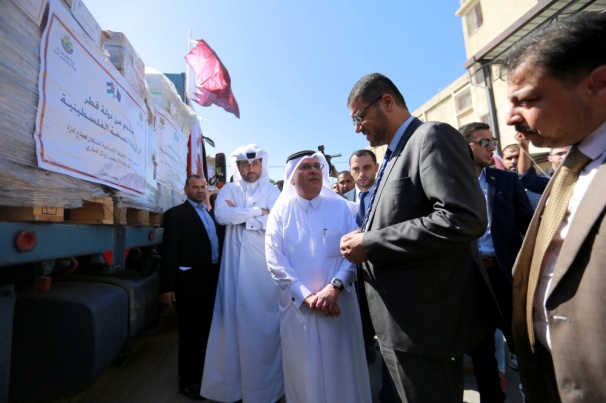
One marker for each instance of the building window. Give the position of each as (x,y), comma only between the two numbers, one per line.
(474,19)
(463,101)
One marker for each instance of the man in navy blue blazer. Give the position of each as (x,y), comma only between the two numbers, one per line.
(509,214)
(363,167)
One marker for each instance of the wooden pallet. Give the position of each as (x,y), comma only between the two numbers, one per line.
(136,217)
(99,210)
(45,214)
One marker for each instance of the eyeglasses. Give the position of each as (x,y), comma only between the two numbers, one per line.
(485,142)
(309,167)
(357,118)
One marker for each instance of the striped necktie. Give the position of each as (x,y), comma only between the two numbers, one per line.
(551,221)
(361,208)
(374,189)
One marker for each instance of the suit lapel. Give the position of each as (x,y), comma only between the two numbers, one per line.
(412,127)
(195,218)
(590,208)
(491,185)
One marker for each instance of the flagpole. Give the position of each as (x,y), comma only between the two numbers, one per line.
(187,94)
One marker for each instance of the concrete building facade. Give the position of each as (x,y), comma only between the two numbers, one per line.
(490,27)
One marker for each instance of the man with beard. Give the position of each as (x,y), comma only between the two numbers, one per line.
(556,85)
(363,167)
(509,213)
(345,181)
(188,278)
(511,156)
(244,359)
(415,246)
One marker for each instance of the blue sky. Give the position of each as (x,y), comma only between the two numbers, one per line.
(293,63)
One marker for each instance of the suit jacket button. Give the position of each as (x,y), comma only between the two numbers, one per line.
(293,298)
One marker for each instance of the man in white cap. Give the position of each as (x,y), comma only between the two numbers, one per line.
(243,358)
(322,345)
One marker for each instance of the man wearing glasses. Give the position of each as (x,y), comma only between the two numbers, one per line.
(509,214)
(415,245)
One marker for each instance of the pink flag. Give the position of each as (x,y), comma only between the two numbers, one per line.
(498,162)
(213,84)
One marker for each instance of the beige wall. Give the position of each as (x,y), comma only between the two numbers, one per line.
(443,106)
(497,16)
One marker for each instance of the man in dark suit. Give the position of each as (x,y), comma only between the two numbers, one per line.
(509,214)
(345,181)
(415,246)
(556,86)
(188,278)
(363,167)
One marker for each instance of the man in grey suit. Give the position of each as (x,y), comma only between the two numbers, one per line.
(556,79)
(415,245)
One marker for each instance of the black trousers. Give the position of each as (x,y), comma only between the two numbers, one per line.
(195,296)
(483,356)
(425,379)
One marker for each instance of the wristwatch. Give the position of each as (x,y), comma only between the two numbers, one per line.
(338,284)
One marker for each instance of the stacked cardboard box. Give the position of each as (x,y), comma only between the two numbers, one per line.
(124,57)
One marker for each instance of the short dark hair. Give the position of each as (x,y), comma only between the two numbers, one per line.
(192,176)
(470,128)
(344,172)
(372,86)
(568,49)
(512,145)
(363,152)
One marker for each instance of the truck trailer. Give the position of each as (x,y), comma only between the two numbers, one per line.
(94,147)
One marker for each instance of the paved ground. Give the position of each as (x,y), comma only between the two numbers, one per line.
(149,374)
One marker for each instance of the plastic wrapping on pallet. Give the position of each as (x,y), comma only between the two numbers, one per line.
(166,97)
(124,57)
(22,182)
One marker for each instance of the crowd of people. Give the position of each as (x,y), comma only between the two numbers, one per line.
(283,292)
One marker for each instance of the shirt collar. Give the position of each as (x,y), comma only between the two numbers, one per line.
(482,174)
(399,133)
(249,186)
(196,205)
(358,191)
(594,145)
(304,203)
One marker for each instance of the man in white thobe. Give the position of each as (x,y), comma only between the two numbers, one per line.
(322,346)
(243,358)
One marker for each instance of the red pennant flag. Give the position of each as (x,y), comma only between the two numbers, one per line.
(213,84)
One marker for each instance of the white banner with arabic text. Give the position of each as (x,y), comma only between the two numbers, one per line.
(91,124)
(171,146)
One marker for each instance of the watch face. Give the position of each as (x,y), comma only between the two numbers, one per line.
(337,283)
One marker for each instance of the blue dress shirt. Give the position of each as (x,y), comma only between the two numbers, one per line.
(211,230)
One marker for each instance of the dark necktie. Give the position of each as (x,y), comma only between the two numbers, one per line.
(374,189)
(551,221)
(361,208)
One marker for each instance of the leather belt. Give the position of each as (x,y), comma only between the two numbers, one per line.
(490,262)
